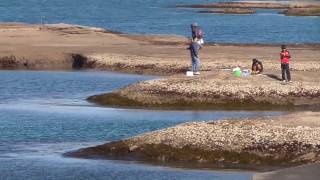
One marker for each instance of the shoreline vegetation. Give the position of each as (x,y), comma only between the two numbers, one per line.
(68,47)
(288,8)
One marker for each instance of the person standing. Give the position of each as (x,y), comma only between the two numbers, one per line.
(285,58)
(194,51)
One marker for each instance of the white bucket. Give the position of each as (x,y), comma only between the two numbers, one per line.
(245,73)
(200,41)
(189,73)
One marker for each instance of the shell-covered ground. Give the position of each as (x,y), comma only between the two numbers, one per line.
(273,141)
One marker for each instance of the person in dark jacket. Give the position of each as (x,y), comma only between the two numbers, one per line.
(285,58)
(194,52)
(257,66)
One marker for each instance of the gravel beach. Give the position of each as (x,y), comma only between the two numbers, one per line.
(259,144)
(219,89)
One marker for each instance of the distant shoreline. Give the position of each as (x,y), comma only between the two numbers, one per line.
(247,7)
(152,38)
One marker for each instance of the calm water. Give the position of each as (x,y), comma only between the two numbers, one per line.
(44,114)
(158,17)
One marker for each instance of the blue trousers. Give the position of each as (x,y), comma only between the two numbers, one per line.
(195,64)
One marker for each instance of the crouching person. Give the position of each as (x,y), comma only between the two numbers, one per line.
(257,66)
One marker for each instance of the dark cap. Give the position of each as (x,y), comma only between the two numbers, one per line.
(194,25)
(283,47)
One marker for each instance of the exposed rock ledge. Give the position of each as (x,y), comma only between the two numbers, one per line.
(266,5)
(257,144)
(230,11)
(291,8)
(218,90)
(302,12)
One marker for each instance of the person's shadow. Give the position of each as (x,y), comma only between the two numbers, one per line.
(274,77)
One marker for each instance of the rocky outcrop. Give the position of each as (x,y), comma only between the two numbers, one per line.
(291,9)
(215,91)
(230,11)
(302,12)
(8,62)
(238,5)
(137,64)
(67,62)
(256,144)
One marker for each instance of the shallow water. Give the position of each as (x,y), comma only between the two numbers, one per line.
(158,17)
(44,114)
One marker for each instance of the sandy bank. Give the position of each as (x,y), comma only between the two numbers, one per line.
(259,143)
(64,46)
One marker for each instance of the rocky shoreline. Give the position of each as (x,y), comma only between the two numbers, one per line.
(255,5)
(302,12)
(85,48)
(42,47)
(229,11)
(259,144)
(289,9)
(68,47)
(71,47)
(218,90)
